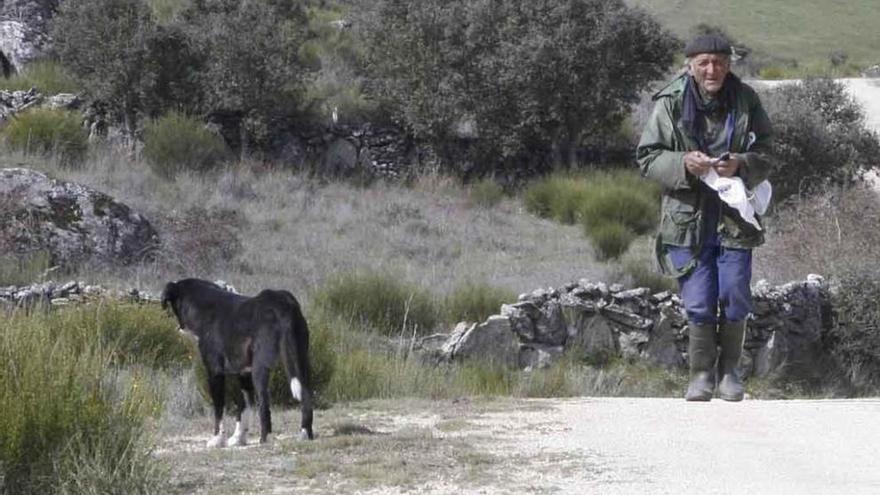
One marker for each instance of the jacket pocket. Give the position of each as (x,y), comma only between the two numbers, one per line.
(681,224)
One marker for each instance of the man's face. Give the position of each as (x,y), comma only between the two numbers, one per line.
(709,71)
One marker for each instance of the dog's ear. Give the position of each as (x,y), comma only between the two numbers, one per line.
(169,294)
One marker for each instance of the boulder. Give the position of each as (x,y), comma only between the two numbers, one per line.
(72,223)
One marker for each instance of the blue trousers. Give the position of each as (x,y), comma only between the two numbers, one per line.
(719,288)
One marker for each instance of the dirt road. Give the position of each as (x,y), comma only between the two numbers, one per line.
(602,446)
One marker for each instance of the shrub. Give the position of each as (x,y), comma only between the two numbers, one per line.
(485,193)
(557,196)
(176,142)
(855,337)
(820,138)
(474,302)
(380,301)
(526,78)
(610,239)
(70,417)
(47,76)
(48,132)
(613,207)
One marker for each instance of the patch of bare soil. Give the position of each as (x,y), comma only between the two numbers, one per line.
(461,446)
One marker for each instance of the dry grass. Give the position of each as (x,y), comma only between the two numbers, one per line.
(295,231)
(830,234)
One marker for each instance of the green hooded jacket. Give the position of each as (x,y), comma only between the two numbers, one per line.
(660,155)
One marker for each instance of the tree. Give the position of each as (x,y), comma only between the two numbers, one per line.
(526,79)
(251,74)
(103,42)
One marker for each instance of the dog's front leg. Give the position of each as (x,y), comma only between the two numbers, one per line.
(216,384)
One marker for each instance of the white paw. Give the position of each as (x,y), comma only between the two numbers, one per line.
(237,440)
(217,441)
(303,435)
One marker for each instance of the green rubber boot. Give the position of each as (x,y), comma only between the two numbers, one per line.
(701,355)
(731,337)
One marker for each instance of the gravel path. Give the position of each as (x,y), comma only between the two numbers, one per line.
(670,446)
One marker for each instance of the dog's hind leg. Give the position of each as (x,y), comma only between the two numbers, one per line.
(216,384)
(261,383)
(244,403)
(295,357)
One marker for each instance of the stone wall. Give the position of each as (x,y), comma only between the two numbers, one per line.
(599,322)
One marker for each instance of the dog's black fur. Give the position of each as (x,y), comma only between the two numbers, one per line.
(243,336)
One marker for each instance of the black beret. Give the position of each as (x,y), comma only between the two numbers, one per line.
(707,43)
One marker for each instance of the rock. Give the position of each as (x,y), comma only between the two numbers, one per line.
(593,340)
(492,341)
(73,223)
(536,356)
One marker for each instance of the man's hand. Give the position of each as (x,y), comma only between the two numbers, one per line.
(728,168)
(697,163)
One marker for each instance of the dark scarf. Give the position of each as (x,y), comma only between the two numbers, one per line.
(694,110)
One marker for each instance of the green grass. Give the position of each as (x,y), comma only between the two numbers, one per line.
(47,131)
(613,207)
(805,30)
(73,421)
(48,77)
(381,301)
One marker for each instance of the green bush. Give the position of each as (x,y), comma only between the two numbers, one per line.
(379,300)
(47,76)
(474,302)
(820,138)
(46,131)
(521,72)
(176,142)
(613,207)
(855,337)
(610,239)
(71,418)
(557,196)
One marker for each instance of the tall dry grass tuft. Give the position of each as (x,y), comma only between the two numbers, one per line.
(826,233)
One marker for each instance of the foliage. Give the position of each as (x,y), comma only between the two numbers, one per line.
(474,302)
(855,337)
(103,42)
(610,239)
(46,131)
(251,72)
(48,76)
(820,138)
(379,300)
(612,207)
(334,57)
(176,142)
(525,79)
(64,401)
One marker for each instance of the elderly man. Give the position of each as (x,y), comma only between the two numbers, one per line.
(707,118)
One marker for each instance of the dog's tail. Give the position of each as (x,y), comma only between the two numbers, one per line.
(295,357)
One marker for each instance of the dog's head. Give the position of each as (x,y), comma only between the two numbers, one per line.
(171,299)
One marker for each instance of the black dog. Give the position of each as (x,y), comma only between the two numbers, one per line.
(243,336)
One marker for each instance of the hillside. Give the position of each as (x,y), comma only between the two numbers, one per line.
(804,30)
